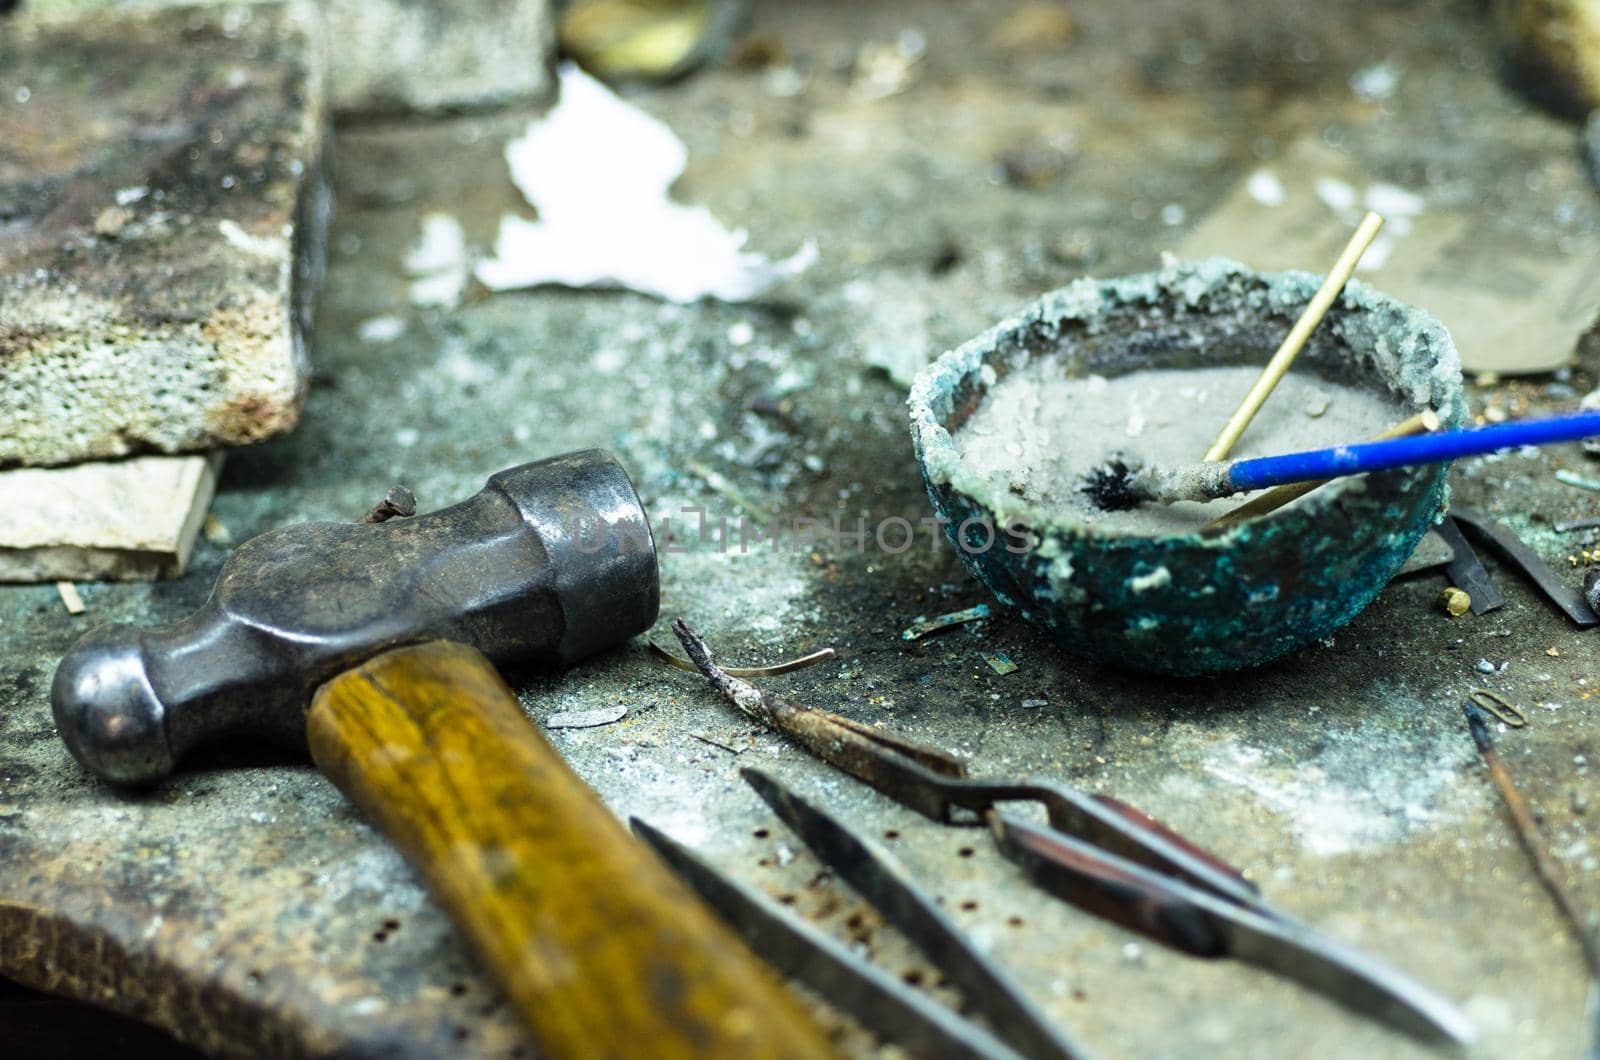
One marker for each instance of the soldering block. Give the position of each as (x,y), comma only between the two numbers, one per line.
(162,210)
(403,56)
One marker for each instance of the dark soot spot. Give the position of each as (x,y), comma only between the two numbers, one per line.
(1110,487)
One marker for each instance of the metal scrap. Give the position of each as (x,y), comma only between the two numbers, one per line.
(774,670)
(1519,555)
(1572,478)
(586,719)
(1466,572)
(70,598)
(999,662)
(1494,703)
(924,625)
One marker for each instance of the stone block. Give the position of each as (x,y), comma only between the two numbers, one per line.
(162,209)
(395,56)
(115,520)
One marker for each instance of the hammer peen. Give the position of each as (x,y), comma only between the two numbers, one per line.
(376,644)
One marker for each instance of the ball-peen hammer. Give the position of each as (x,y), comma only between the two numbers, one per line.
(376,645)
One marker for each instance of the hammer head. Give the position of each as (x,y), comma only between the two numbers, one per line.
(550,562)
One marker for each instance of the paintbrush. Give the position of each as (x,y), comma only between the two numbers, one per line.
(1119,485)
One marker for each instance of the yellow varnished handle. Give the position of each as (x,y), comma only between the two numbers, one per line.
(604,952)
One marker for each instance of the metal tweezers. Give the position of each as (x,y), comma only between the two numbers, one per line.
(1203,908)
(883,1003)
(1103,856)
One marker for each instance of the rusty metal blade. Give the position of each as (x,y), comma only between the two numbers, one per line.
(884,882)
(1512,549)
(882,1003)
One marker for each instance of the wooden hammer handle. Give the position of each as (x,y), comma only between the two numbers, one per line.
(602,950)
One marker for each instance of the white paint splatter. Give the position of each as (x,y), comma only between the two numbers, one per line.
(1336,195)
(381,329)
(1265,187)
(438,263)
(598,170)
(1351,796)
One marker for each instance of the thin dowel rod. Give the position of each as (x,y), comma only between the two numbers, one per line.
(1338,276)
(1533,841)
(1341,460)
(1278,496)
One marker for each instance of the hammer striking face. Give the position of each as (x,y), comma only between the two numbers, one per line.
(550,562)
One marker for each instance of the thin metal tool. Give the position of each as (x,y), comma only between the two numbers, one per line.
(1105,857)
(886,884)
(884,1003)
(1466,572)
(1512,549)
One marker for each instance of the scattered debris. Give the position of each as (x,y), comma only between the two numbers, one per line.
(744,671)
(1517,553)
(1591,589)
(399,501)
(714,743)
(216,531)
(1533,841)
(437,262)
(381,329)
(1569,525)
(1265,187)
(1034,704)
(924,626)
(1033,166)
(725,488)
(1454,602)
(1377,82)
(586,719)
(1485,666)
(1572,478)
(110,222)
(1466,571)
(70,598)
(884,70)
(605,217)
(1509,713)
(999,662)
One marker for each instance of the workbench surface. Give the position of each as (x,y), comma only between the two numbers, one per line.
(245,905)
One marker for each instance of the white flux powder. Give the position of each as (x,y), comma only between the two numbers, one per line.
(1041,432)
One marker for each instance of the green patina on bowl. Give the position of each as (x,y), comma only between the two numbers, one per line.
(1201,602)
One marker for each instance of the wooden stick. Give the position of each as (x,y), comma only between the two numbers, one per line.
(1278,496)
(1338,276)
(1533,841)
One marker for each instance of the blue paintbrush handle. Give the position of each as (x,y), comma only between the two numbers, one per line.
(1317,464)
